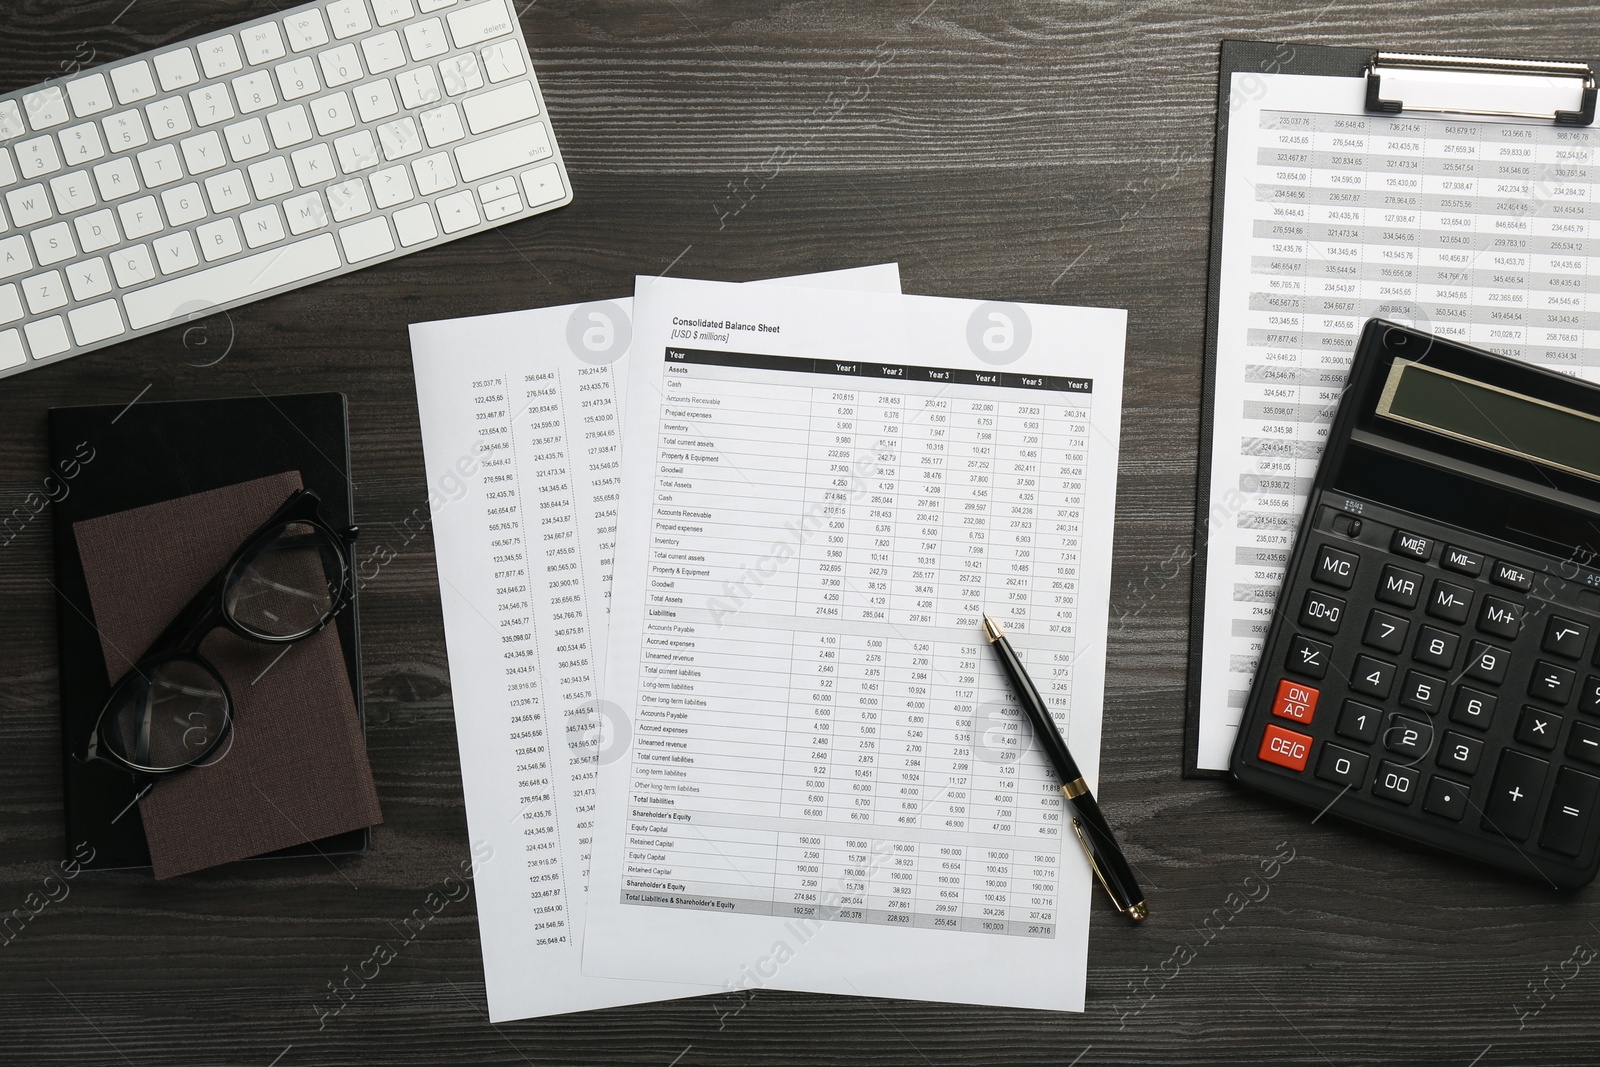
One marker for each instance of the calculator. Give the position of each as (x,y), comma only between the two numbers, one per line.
(1432,667)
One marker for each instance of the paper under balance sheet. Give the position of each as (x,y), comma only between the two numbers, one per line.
(1480,231)
(520,417)
(828,786)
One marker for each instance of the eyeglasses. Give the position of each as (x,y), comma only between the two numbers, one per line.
(173,710)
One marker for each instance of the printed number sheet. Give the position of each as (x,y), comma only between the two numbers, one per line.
(828,786)
(520,421)
(1479,231)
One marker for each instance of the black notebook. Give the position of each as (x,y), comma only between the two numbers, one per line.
(122,457)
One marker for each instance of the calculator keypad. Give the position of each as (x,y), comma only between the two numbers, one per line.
(1437,687)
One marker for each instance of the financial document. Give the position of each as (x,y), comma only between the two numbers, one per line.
(521,432)
(1480,231)
(828,786)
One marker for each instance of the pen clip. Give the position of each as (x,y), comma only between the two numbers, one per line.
(1135,912)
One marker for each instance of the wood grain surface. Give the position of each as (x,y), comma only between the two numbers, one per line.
(1055,152)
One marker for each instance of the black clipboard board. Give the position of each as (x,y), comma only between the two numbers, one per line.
(1260,57)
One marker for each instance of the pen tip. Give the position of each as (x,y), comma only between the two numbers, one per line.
(1138,912)
(991,627)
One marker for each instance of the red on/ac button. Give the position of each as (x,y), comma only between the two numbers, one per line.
(1285,748)
(1295,701)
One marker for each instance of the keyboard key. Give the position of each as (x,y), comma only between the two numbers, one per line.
(1462,561)
(357,151)
(90,96)
(247,140)
(1371,676)
(1552,683)
(1342,766)
(414,225)
(1286,748)
(14,257)
(10,304)
(461,74)
(72,192)
(1572,802)
(390,186)
(418,87)
(503,60)
(313,165)
(168,118)
(384,52)
(306,30)
(333,113)
(158,166)
(501,208)
(1320,611)
(203,154)
(11,351)
(116,178)
(125,130)
(1384,632)
(376,100)
(459,211)
(254,91)
(176,70)
(388,12)
(1423,692)
(37,156)
(346,18)
(262,226)
(1396,783)
(479,23)
(270,178)
(500,107)
(46,107)
(399,138)
(503,151)
(1399,586)
(1514,796)
(1446,799)
(1563,637)
(53,244)
(47,337)
(96,323)
(1359,722)
(349,200)
(1458,752)
(1410,738)
(289,127)
(1449,601)
(219,240)
(1584,744)
(232,281)
(133,265)
(220,56)
(426,6)
(425,39)
(175,252)
(1500,617)
(1511,576)
(1436,647)
(81,144)
(1591,696)
(1295,701)
(433,173)
(1487,663)
(227,191)
(263,43)
(442,125)
(305,213)
(11,124)
(1335,567)
(211,104)
(1538,728)
(340,66)
(8,170)
(133,82)
(367,239)
(297,78)
(45,292)
(89,279)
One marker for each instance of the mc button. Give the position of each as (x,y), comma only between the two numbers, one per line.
(1335,568)
(1285,748)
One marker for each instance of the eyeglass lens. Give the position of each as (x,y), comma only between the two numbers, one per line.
(167,718)
(289,585)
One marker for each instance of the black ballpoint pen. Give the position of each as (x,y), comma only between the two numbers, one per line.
(1109,865)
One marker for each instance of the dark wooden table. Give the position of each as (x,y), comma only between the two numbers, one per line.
(1056,152)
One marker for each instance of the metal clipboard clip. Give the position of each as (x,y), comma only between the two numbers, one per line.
(1550,90)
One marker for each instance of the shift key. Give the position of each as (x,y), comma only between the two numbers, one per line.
(503,151)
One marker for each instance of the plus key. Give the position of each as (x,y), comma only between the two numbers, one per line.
(1514,798)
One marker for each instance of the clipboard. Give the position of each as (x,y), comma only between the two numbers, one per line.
(1561,93)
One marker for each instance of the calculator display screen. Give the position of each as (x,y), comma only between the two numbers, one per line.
(1491,417)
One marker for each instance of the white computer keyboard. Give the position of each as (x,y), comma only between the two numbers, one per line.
(208,174)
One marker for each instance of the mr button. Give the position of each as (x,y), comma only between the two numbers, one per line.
(1285,748)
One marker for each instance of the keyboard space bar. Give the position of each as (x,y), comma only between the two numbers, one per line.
(238,280)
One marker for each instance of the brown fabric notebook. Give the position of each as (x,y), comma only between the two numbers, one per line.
(296,767)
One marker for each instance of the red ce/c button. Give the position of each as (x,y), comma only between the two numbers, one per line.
(1285,748)
(1295,701)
